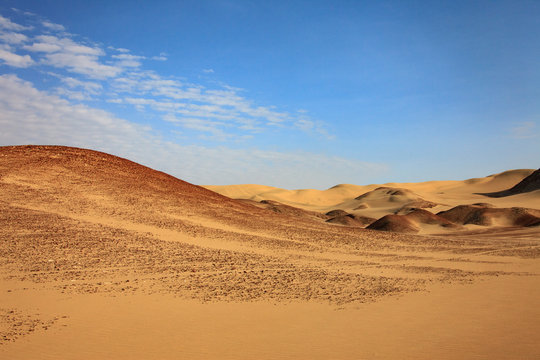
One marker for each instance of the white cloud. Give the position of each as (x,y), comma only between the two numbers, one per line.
(54,44)
(88,86)
(12,59)
(217,113)
(76,89)
(311,126)
(213,128)
(162,57)
(28,115)
(53,26)
(23,12)
(82,64)
(13,37)
(31,116)
(127,60)
(224,107)
(77,58)
(72,95)
(304,124)
(7,24)
(188,100)
(43,47)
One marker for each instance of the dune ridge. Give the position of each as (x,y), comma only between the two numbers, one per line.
(528,184)
(382,202)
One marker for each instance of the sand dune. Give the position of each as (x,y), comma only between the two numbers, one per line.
(385,200)
(529,184)
(104,258)
(395,223)
(480,214)
(305,198)
(350,220)
(342,192)
(280,208)
(450,191)
(519,187)
(414,221)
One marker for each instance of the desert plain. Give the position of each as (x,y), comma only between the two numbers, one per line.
(101,257)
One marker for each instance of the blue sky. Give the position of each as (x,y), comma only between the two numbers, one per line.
(295,94)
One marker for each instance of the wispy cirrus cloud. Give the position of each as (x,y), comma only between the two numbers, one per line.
(80,77)
(53,26)
(161,57)
(128,60)
(224,108)
(32,116)
(88,86)
(7,24)
(77,89)
(124,80)
(311,126)
(67,54)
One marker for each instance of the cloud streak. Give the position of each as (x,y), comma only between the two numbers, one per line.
(82,76)
(7,24)
(13,37)
(12,59)
(122,79)
(53,26)
(77,58)
(31,116)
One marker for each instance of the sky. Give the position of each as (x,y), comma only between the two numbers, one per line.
(293,94)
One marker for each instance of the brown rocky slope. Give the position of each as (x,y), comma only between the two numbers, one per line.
(67,213)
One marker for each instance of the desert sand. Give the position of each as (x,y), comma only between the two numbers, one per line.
(495,192)
(101,257)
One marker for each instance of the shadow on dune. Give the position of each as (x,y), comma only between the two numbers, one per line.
(530,183)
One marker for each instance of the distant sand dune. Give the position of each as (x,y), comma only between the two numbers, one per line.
(509,189)
(395,223)
(351,220)
(413,221)
(488,216)
(529,184)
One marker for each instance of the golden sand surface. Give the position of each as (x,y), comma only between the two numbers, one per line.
(104,258)
(444,193)
(376,201)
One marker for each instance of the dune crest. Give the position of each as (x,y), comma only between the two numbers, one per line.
(529,184)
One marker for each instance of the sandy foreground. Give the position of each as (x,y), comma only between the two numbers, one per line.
(492,319)
(104,258)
